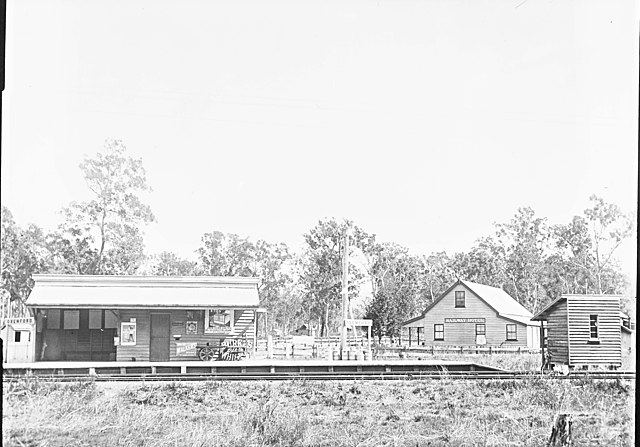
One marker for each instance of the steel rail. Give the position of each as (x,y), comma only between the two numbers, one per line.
(350,376)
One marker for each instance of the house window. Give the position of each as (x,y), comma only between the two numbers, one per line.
(218,321)
(460,298)
(512,332)
(16,336)
(593,327)
(481,329)
(420,335)
(438,331)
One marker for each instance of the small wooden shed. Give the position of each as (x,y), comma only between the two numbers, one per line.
(18,340)
(581,330)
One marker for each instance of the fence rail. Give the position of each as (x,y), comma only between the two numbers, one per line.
(462,349)
(304,347)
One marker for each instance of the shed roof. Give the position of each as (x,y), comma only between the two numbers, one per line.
(544,313)
(120,292)
(21,326)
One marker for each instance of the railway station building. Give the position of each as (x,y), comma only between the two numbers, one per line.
(140,318)
(585,330)
(470,314)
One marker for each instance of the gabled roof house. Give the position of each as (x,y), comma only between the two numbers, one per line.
(468,314)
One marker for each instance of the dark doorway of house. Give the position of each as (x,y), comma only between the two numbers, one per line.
(160,329)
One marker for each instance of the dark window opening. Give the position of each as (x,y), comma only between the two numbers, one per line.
(512,332)
(593,326)
(438,331)
(16,336)
(460,298)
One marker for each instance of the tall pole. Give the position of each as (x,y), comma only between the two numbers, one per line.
(345,292)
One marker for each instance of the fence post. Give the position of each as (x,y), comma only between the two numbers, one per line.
(490,350)
(561,431)
(269,347)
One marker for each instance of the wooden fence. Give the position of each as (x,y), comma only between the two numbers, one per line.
(303,347)
(435,350)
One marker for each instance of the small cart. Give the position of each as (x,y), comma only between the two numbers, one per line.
(210,352)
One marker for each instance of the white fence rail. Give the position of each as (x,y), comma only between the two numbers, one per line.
(306,347)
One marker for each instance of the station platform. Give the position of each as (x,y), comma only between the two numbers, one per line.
(266,366)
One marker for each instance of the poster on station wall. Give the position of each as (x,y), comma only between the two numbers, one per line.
(191,327)
(185,349)
(218,321)
(128,334)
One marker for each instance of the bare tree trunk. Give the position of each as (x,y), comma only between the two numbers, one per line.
(326,320)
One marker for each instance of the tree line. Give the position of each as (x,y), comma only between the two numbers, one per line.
(530,258)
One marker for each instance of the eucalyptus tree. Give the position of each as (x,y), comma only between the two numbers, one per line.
(169,264)
(609,227)
(24,252)
(399,292)
(320,273)
(107,229)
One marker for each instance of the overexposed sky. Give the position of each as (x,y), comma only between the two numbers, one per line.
(423,121)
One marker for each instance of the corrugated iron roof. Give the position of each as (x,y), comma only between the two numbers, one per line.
(495,297)
(119,292)
(543,314)
(501,302)
(21,327)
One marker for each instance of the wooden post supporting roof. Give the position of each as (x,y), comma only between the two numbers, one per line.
(345,292)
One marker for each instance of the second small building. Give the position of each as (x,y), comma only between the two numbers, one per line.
(471,314)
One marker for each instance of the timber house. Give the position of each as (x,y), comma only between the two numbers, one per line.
(470,314)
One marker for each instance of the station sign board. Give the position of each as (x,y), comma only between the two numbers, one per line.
(465,320)
(24,320)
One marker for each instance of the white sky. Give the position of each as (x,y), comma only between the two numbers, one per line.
(423,121)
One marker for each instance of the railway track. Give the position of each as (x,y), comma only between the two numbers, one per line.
(387,375)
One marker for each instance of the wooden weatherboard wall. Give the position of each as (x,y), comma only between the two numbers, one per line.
(140,351)
(243,327)
(606,350)
(558,334)
(460,322)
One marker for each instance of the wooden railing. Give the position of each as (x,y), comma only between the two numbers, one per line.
(434,350)
(301,347)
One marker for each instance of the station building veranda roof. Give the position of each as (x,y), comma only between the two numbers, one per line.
(128,292)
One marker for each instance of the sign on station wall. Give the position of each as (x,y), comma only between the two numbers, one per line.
(191,327)
(186,349)
(464,320)
(128,334)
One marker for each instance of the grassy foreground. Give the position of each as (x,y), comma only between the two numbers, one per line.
(443,412)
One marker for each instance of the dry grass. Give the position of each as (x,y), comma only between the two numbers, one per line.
(442,412)
(515,362)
